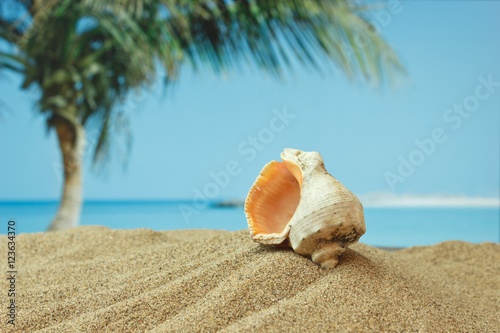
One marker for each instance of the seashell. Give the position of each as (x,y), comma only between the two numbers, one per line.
(299,201)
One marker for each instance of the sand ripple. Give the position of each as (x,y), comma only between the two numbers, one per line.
(94,279)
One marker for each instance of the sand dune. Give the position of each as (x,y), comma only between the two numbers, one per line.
(94,279)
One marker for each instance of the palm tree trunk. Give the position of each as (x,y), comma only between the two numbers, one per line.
(72,143)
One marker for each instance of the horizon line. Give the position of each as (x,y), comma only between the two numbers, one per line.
(371,200)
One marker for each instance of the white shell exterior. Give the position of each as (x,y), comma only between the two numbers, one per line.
(328,217)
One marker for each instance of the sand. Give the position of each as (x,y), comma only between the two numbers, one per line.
(95,279)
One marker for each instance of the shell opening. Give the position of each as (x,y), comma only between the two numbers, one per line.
(272,201)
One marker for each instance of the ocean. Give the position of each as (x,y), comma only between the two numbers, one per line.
(390,227)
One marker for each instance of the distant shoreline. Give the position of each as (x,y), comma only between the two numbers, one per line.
(374,200)
(389,200)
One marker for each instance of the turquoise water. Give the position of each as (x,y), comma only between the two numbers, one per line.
(399,227)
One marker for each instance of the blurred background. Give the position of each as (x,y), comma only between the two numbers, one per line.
(416,136)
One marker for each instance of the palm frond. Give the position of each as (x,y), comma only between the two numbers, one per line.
(86,74)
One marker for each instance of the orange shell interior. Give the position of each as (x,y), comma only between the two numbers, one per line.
(272,201)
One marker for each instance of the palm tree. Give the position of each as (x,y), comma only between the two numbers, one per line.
(86,55)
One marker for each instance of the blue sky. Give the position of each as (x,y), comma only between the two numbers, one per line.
(207,123)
